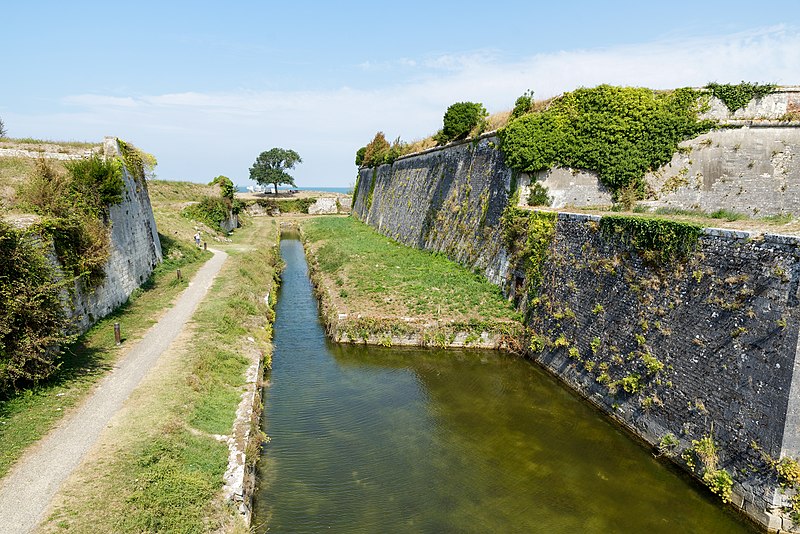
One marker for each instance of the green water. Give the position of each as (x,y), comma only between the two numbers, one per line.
(372,440)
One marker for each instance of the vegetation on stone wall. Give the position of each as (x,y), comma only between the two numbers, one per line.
(703,457)
(139,163)
(527,236)
(737,96)
(294,205)
(618,132)
(33,323)
(74,210)
(656,240)
(215,210)
(539,195)
(460,120)
(226,187)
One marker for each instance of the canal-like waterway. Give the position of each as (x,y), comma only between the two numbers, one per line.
(374,440)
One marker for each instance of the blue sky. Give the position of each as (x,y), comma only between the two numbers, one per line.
(206,86)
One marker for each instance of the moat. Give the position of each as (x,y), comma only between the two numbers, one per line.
(370,439)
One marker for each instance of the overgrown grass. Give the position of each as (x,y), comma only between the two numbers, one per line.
(32,141)
(27,416)
(162,191)
(293,205)
(373,275)
(169,199)
(161,469)
(723,214)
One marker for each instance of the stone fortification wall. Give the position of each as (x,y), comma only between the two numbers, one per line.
(135,251)
(701,348)
(448,201)
(708,345)
(751,165)
(753,170)
(780,105)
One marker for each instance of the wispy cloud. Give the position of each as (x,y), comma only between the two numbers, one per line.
(197,135)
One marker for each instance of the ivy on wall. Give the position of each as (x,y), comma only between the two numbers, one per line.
(618,132)
(656,240)
(527,236)
(737,96)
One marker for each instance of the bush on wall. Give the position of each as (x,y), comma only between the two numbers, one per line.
(618,132)
(33,323)
(459,120)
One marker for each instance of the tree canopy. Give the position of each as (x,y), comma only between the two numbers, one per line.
(271,165)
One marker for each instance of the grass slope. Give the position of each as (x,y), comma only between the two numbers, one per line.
(370,274)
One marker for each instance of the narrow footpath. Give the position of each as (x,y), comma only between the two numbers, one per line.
(27,491)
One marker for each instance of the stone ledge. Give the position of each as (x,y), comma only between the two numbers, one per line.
(726,233)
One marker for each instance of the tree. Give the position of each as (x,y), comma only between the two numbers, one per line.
(270,167)
(3,131)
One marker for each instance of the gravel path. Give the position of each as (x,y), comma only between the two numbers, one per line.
(26,492)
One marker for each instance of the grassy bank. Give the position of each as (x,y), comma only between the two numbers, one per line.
(159,466)
(376,290)
(27,416)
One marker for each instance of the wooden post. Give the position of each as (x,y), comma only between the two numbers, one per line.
(117,334)
(205,245)
(180,277)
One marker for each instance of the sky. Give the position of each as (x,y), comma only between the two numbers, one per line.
(207,86)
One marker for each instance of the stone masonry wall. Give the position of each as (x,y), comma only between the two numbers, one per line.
(723,324)
(751,167)
(135,251)
(448,201)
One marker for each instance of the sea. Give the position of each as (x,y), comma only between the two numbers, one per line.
(345,190)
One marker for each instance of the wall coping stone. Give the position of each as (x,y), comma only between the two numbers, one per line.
(727,233)
(569,216)
(782,239)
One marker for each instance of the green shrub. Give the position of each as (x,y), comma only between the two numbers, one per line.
(618,132)
(459,120)
(33,324)
(96,182)
(75,211)
(213,211)
(397,149)
(226,187)
(539,195)
(360,153)
(739,95)
(523,105)
(375,152)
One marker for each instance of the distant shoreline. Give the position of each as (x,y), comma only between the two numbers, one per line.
(343,190)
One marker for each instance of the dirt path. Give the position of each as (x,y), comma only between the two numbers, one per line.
(27,491)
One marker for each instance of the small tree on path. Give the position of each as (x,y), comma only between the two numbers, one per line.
(270,167)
